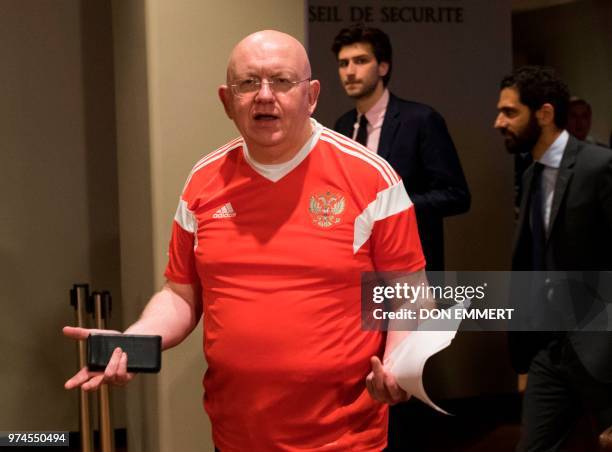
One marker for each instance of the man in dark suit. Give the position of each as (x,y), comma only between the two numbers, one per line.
(411,136)
(565,225)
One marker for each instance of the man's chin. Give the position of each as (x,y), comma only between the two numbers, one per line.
(267,138)
(354,93)
(510,146)
(514,148)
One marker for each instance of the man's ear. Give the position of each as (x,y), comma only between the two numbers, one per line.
(224,96)
(546,115)
(383,69)
(314,89)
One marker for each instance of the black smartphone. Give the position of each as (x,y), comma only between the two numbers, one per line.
(144,352)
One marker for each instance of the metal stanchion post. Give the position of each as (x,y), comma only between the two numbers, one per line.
(79,295)
(102,307)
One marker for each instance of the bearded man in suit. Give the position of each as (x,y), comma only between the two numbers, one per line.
(564,225)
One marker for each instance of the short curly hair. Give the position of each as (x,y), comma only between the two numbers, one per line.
(378,39)
(538,85)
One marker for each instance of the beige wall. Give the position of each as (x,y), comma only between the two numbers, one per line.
(58,220)
(170,58)
(134,184)
(43,223)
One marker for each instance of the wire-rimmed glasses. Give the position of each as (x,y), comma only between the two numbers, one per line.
(252,85)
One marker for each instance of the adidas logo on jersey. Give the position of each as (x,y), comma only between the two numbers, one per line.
(227,211)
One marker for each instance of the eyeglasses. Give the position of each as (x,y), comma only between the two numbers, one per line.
(252,85)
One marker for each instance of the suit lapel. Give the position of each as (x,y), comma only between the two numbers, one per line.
(389,128)
(565,174)
(347,125)
(523,214)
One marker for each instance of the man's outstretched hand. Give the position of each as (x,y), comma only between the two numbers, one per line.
(382,385)
(115,373)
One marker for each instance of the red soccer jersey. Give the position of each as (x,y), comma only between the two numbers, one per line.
(279,251)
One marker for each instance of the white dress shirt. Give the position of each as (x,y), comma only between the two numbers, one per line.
(551,159)
(375,117)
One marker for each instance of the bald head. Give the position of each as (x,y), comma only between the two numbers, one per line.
(273,112)
(259,47)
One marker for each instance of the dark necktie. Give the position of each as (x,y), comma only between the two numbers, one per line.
(538,235)
(362,133)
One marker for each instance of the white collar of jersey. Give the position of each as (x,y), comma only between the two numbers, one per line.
(278,171)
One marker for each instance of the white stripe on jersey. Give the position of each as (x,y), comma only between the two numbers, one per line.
(388,202)
(185,217)
(346,140)
(214,155)
(353,148)
(216,151)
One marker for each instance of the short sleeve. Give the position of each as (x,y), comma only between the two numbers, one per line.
(395,244)
(181,258)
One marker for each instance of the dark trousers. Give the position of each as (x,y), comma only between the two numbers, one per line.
(410,427)
(560,392)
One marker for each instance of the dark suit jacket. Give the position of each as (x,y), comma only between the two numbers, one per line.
(579,239)
(415,141)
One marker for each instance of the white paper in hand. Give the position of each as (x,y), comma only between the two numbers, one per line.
(407,360)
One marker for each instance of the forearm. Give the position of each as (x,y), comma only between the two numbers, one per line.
(393,339)
(399,329)
(171,313)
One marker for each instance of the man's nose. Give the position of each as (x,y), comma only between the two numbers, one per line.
(265,93)
(499,123)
